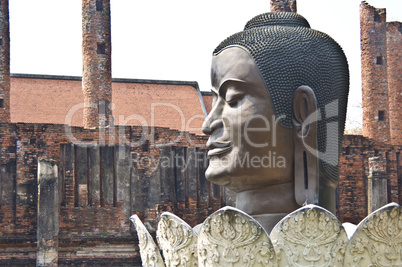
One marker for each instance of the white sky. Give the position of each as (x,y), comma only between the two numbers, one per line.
(169,40)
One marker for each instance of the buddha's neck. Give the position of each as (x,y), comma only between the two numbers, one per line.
(268,205)
(268,200)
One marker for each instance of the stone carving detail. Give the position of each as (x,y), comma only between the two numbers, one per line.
(230,237)
(177,240)
(310,236)
(377,240)
(150,255)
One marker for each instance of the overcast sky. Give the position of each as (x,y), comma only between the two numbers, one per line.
(169,40)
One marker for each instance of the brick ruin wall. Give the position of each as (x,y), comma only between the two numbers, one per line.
(394,56)
(4,62)
(374,73)
(176,106)
(207,99)
(102,183)
(381,75)
(97,62)
(352,198)
(382,117)
(55,99)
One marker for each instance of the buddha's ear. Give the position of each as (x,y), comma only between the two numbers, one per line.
(305,145)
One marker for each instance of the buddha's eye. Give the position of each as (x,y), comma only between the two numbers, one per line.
(234,101)
(233,97)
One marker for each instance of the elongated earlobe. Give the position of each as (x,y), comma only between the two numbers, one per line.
(305,145)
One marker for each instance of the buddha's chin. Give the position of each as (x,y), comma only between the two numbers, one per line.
(224,178)
(217,176)
(237,181)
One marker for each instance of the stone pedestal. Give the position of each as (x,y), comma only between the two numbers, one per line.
(377,190)
(48,213)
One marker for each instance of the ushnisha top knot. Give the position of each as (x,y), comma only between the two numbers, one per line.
(278,19)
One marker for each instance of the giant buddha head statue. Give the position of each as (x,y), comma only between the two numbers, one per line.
(279,105)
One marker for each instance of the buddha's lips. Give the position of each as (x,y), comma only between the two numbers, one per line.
(217,148)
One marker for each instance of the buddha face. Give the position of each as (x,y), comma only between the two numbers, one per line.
(248,148)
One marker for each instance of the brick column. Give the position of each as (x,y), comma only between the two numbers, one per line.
(48,213)
(283,6)
(377,190)
(4,62)
(374,73)
(97,73)
(394,56)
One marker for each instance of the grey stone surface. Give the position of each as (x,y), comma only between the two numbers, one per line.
(48,213)
(107,173)
(69,156)
(180,173)
(123,177)
(153,189)
(166,171)
(94,179)
(377,188)
(192,173)
(81,163)
(203,182)
(139,189)
(7,182)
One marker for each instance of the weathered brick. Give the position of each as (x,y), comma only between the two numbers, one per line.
(97,62)
(394,72)
(4,62)
(59,100)
(352,202)
(373,44)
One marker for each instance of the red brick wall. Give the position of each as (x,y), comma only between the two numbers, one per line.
(97,62)
(45,100)
(207,98)
(4,62)
(394,55)
(24,144)
(374,73)
(81,226)
(165,105)
(353,173)
(51,100)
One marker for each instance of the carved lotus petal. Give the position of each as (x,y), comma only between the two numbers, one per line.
(177,240)
(309,236)
(150,255)
(230,237)
(377,240)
